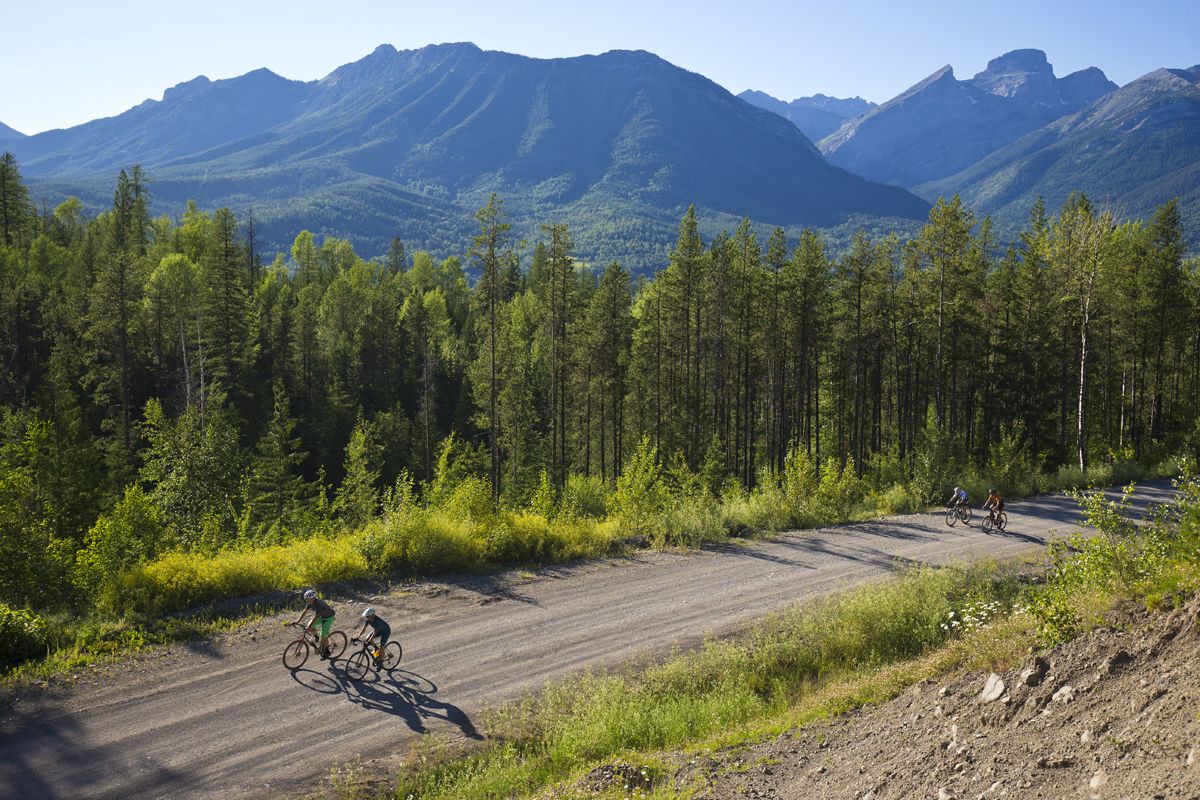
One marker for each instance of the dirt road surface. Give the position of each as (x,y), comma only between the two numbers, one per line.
(224,718)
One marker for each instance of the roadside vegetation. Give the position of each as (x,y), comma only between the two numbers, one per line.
(824,658)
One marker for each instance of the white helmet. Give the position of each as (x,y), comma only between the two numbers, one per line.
(957,490)
(309,594)
(369,611)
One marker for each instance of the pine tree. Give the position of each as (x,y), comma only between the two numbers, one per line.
(491,250)
(357,499)
(274,489)
(15,209)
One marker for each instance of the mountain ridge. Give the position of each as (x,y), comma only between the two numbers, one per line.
(816,116)
(617,141)
(941,125)
(1131,149)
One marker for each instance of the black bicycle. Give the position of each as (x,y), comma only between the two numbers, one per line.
(296,653)
(386,658)
(956,512)
(994,520)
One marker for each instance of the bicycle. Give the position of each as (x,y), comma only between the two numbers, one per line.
(956,512)
(296,653)
(388,658)
(994,520)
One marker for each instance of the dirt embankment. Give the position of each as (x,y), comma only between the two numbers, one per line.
(1113,714)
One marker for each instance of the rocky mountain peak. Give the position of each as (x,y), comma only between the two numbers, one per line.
(1017,73)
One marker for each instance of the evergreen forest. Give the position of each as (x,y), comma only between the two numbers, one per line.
(184,419)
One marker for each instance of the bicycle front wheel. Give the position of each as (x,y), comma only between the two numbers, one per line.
(295,654)
(392,655)
(951,517)
(356,667)
(337,644)
(988,522)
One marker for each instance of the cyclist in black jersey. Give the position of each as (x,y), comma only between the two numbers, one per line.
(379,630)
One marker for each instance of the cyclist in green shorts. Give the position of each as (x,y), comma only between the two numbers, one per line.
(322,615)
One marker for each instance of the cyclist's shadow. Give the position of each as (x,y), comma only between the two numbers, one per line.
(406,695)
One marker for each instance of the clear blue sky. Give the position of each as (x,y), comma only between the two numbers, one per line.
(70,61)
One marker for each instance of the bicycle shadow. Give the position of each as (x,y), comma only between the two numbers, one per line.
(322,682)
(406,695)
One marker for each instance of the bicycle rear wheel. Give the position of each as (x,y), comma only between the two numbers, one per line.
(357,665)
(295,654)
(1001,520)
(392,655)
(337,644)
(966,515)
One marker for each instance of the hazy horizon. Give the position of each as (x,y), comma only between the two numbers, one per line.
(72,67)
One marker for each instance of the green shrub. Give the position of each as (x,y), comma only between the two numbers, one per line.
(23,634)
(1010,466)
(584,497)
(640,493)
(896,499)
(838,492)
(181,580)
(131,533)
(422,542)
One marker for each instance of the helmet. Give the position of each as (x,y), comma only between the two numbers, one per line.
(957,490)
(991,491)
(369,611)
(309,594)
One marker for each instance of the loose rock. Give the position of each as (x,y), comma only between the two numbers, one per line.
(1064,695)
(1035,673)
(993,689)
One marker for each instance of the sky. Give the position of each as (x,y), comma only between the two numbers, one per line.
(69,61)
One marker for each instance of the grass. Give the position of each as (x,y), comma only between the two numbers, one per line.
(77,644)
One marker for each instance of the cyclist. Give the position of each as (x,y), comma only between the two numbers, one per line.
(994,503)
(958,497)
(380,629)
(322,614)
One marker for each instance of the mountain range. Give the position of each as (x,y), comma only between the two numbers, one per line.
(1015,132)
(943,125)
(816,116)
(409,143)
(1130,150)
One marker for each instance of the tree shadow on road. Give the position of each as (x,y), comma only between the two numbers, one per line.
(48,755)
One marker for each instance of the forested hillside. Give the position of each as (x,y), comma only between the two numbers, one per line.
(170,404)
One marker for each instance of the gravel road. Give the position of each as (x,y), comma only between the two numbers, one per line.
(224,718)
